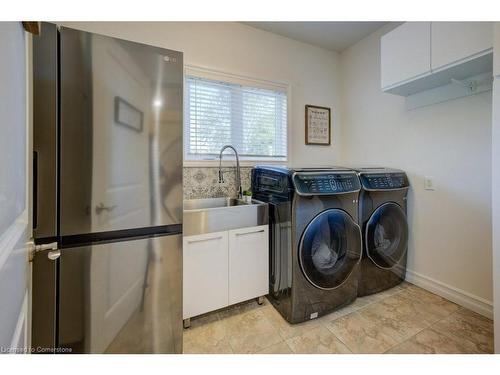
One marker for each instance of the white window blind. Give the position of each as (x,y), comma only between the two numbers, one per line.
(252,119)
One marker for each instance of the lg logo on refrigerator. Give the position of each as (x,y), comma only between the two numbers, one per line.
(170,59)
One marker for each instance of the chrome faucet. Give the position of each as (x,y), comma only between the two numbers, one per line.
(238,176)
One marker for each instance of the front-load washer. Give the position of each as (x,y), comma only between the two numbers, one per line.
(315,239)
(383,221)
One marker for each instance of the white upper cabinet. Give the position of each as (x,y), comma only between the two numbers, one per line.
(419,56)
(496,49)
(405,53)
(452,42)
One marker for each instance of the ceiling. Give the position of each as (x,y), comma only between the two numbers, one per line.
(334,36)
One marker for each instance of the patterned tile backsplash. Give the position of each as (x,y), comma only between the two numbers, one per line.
(203,182)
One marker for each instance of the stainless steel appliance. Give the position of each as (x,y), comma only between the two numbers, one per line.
(382,217)
(107,194)
(315,241)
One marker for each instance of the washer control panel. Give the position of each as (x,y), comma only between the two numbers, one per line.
(384,181)
(325,183)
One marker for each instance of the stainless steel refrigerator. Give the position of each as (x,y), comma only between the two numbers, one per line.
(107,195)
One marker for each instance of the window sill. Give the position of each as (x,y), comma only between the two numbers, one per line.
(228,162)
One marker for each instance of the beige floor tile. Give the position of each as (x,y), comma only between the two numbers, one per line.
(404,319)
(361,335)
(389,292)
(405,284)
(399,318)
(474,318)
(285,329)
(241,308)
(318,340)
(429,342)
(471,329)
(435,304)
(279,348)
(250,332)
(358,304)
(340,313)
(364,301)
(210,338)
(425,311)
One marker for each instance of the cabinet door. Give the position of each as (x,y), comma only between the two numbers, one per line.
(405,53)
(455,41)
(248,263)
(205,273)
(496,49)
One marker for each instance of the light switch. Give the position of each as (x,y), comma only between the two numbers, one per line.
(429,183)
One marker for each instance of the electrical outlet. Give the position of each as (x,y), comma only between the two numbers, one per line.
(429,183)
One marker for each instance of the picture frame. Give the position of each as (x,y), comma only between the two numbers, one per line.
(128,115)
(318,125)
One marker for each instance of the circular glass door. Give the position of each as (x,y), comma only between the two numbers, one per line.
(386,235)
(330,248)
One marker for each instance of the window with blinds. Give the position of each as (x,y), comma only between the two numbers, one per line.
(252,119)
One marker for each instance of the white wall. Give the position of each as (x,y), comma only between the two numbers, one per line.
(235,48)
(450,242)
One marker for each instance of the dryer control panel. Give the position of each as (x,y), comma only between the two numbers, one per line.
(310,183)
(386,181)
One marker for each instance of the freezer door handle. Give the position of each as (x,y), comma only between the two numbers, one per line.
(54,255)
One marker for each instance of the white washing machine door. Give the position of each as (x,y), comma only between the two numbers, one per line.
(386,235)
(330,249)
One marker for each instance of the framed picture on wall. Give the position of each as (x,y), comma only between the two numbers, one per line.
(128,115)
(318,125)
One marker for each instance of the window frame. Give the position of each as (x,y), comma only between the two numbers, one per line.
(238,79)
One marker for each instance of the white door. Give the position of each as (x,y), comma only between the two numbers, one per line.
(248,263)
(120,187)
(15,156)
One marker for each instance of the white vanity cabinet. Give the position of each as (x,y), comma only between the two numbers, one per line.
(224,268)
(205,273)
(248,263)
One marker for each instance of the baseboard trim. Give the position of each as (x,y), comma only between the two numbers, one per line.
(460,297)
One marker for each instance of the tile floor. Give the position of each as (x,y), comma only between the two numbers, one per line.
(404,319)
